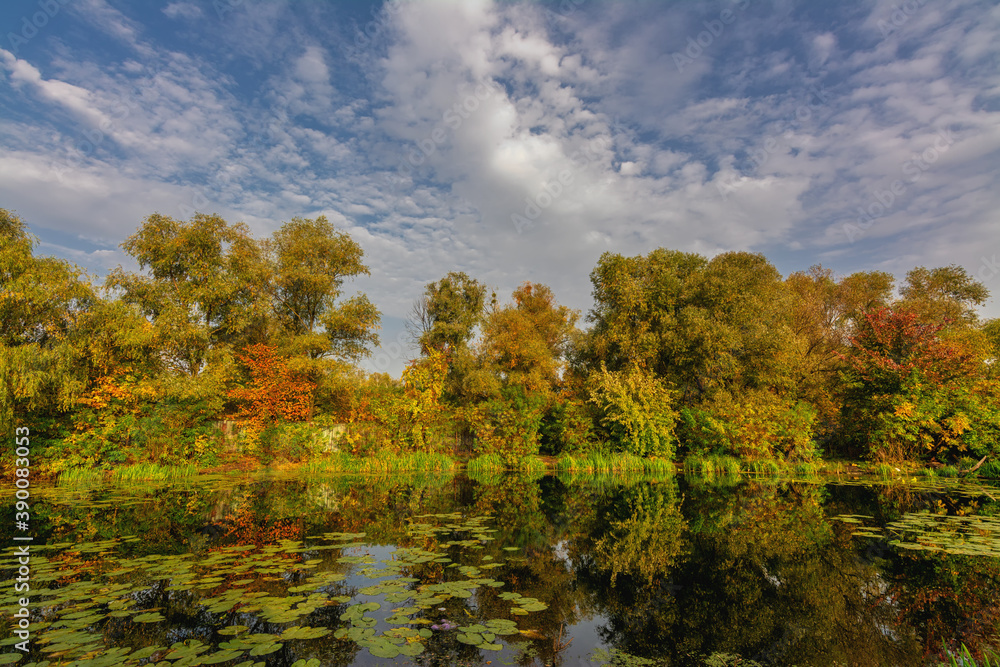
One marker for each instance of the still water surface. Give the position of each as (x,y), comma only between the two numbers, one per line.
(283,571)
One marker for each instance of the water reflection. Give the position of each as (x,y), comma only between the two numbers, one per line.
(672,570)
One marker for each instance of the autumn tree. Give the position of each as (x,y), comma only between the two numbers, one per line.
(824,313)
(521,358)
(203,288)
(43,301)
(914,392)
(946,295)
(310,261)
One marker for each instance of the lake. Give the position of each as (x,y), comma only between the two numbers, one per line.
(549,570)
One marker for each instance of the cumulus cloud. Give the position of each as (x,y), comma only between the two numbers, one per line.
(519,142)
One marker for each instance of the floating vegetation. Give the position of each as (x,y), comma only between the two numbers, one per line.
(959,535)
(94,607)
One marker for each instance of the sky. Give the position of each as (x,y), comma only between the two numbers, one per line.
(515,141)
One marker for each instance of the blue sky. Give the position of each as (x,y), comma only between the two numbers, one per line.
(514,141)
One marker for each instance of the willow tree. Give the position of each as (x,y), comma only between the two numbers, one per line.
(310,261)
(203,288)
(42,303)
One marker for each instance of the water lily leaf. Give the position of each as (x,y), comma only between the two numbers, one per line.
(411,649)
(154,617)
(265,649)
(384,651)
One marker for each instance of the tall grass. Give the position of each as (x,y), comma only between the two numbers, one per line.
(963,658)
(487,464)
(495,464)
(131,473)
(989,470)
(152,471)
(712,465)
(80,476)
(617,462)
(381,463)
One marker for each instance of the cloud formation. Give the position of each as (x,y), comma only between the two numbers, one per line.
(519,141)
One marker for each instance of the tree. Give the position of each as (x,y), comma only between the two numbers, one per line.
(525,343)
(42,303)
(824,313)
(705,326)
(916,390)
(204,291)
(451,309)
(310,261)
(520,361)
(946,295)
(636,411)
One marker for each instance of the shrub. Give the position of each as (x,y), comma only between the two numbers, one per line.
(509,425)
(758,425)
(635,409)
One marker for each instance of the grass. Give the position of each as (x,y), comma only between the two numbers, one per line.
(154,471)
(493,464)
(618,462)
(381,463)
(131,473)
(963,658)
(712,465)
(80,476)
(989,470)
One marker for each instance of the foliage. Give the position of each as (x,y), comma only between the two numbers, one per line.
(310,261)
(42,303)
(449,311)
(919,391)
(943,295)
(644,537)
(635,410)
(524,343)
(203,291)
(273,392)
(403,416)
(568,427)
(756,425)
(509,425)
(701,325)
(824,313)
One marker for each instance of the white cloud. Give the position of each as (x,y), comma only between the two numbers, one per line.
(770,140)
(186,10)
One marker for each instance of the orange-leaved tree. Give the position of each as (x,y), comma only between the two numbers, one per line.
(273,393)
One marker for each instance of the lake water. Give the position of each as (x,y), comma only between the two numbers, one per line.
(283,571)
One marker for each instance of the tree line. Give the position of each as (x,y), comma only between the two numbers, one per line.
(679,355)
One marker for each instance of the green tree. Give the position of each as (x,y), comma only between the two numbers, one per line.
(945,295)
(705,326)
(310,262)
(445,318)
(449,312)
(43,302)
(204,290)
(636,411)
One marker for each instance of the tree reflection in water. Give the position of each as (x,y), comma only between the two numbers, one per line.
(663,568)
